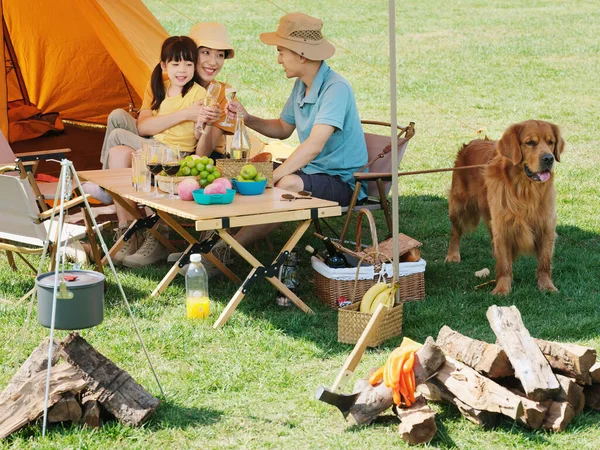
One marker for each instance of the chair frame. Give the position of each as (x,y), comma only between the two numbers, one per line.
(45,214)
(404,135)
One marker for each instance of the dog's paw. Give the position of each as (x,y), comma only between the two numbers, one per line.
(503,287)
(546,285)
(455,258)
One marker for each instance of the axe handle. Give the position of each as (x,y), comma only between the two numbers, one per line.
(358,351)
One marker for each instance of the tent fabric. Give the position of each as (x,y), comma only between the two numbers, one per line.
(75,55)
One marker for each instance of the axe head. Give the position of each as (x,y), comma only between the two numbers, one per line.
(341,401)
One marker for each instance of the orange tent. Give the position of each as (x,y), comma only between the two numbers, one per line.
(80,58)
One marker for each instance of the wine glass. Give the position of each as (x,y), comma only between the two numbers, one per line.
(231,87)
(171,165)
(211,100)
(154,163)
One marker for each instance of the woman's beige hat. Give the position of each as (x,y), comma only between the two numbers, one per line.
(211,35)
(301,34)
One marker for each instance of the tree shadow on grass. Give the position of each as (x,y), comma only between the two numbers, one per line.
(451,294)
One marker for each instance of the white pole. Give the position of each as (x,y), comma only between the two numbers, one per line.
(58,244)
(394,130)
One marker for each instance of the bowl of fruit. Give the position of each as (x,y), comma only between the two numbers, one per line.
(249,181)
(202,169)
(218,192)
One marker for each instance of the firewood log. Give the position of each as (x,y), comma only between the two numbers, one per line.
(595,372)
(67,409)
(570,392)
(528,361)
(559,416)
(116,390)
(417,422)
(487,359)
(477,391)
(434,390)
(372,401)
(569,359)
(27,402)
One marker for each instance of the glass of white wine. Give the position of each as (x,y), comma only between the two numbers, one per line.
(231,87)
(211,100)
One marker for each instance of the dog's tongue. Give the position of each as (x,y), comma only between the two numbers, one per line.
(544,176)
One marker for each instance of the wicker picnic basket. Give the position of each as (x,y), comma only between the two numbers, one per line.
(352,323)
(164,182)
(230,168)
(330,283)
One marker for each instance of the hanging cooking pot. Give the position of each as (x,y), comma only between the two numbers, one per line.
(79,299)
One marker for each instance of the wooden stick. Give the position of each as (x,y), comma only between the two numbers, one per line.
(530,365)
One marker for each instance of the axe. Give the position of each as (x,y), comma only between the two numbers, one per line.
(334,396)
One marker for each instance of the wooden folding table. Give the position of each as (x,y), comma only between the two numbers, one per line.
(261,209)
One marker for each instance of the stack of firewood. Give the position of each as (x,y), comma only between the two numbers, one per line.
(537,383)
(85,387)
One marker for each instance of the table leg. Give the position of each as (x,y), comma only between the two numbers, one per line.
(255,263)
(170,276)
(137,216)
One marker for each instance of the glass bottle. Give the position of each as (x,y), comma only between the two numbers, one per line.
(288,275)
(197,303)
(335,258)
(240,144)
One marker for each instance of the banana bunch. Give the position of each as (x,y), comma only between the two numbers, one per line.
(379,293)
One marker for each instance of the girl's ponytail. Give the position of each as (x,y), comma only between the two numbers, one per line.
(158,87)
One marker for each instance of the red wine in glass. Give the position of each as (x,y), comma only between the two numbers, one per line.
(171,169)
(155,168)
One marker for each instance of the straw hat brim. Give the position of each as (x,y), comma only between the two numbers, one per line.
(217,45)
(316,52)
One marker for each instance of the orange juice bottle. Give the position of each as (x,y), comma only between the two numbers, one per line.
(196,289)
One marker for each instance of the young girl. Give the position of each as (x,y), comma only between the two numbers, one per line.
(174,99)
(123,131)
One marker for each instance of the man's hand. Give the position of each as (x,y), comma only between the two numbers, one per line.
(233,108)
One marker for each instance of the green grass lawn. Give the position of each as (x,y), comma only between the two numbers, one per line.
(463,65)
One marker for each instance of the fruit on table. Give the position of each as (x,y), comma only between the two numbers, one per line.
(186,187)
(204,167)
(248,172)
(224,181)
(218,188)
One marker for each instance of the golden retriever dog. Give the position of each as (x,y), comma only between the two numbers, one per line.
(514,194)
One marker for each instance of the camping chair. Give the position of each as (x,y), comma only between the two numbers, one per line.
(379,162)
(24,225)
(31,161)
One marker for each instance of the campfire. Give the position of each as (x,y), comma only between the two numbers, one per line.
(85,387)
(536,383)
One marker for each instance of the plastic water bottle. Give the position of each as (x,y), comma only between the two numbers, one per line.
(197,303)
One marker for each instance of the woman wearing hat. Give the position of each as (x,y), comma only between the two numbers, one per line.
(321,108)
(123,134)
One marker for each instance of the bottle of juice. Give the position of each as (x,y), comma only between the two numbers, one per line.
(196,289)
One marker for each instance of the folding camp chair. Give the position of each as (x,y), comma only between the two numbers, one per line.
(24,226)
(379,162)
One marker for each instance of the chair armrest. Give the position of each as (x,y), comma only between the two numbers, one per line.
(8,168)
(42,154)
(366,176)
(69,204)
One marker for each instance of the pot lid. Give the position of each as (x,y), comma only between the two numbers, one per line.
(73,278)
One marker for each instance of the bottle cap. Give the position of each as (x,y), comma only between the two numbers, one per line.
(195,257)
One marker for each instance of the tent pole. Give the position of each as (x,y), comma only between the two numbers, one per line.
(394,129)
(15,63)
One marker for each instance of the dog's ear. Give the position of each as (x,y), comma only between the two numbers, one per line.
(510,146)
(559,145)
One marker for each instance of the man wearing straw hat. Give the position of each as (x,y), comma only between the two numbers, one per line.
(321,108)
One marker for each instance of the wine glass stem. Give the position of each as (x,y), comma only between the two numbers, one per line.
(172,193)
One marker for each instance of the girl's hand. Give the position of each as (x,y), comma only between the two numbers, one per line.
(193,110)
(209,115)
(233,108)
